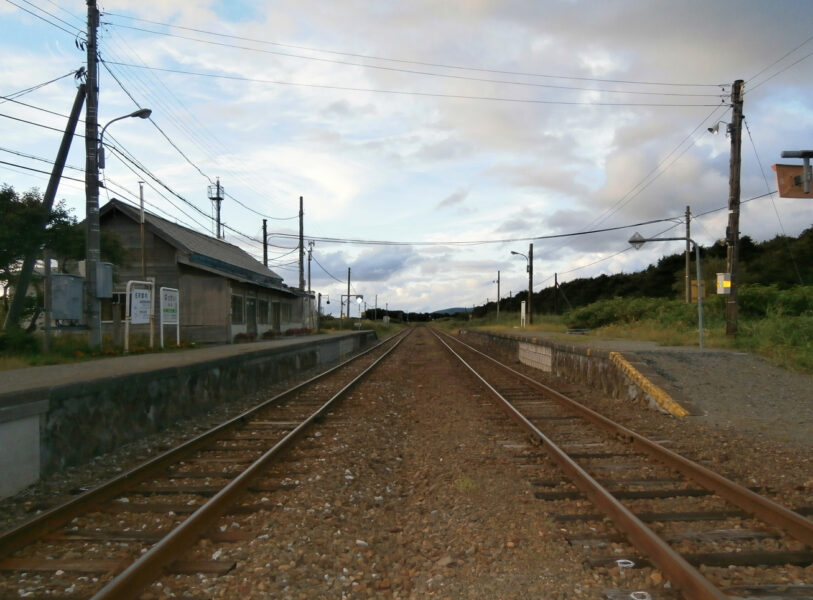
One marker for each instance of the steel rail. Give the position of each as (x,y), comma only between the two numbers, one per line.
(679,571)
(796,525)
(55,517)
(129,583)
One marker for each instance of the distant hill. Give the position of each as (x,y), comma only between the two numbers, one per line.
(452,311)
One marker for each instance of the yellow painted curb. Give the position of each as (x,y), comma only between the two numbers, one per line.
(656,393)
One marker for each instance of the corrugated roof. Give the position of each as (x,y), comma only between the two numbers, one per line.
(222,254)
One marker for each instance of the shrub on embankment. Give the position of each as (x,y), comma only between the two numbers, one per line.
(774,323)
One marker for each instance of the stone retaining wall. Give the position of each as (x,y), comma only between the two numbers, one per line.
(75,422)
(624,377)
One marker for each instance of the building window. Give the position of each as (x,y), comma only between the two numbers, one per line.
(262,312)
(285,310)
(237,312)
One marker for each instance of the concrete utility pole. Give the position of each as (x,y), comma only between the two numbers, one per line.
(688,290)
(18,301)
(733,230)
(301,247)
(265,243)
(141,231)
(93,235)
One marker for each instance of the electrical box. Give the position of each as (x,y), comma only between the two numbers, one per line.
(104,278)
(66,297)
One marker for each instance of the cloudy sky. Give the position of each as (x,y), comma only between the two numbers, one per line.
(428,138)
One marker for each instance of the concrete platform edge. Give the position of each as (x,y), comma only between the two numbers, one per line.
(631,378)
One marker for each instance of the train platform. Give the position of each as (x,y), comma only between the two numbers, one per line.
(721,387)
(21,383)
(56,416)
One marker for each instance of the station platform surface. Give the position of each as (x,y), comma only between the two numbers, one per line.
(23,381)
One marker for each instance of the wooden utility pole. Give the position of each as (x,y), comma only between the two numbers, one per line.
(265,243)
(689,258)
(733,230)
(556,293)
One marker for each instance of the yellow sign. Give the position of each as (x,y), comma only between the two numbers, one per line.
(789,181)
(723,283)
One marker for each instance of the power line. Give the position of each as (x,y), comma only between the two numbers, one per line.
(403,61)
(651,176)
(181,152)
(75,33)
(408,93)
(328,273)
(416,72)
(780,59)
(2,162)
(10,97)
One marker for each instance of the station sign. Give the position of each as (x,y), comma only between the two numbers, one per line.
(789,181)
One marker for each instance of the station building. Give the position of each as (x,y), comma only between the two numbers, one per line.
(224,294)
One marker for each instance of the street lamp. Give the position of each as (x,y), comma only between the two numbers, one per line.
(637,240)
(95,161)
(141,113)
(530,269)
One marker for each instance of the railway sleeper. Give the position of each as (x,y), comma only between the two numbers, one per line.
(797,558)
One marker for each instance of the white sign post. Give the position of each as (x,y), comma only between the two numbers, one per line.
(170,313)
(138,307)
(522,314)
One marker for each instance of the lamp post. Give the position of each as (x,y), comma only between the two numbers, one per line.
(637,240)
(530,269)
(93,244)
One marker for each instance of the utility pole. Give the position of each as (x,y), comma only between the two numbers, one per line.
(498,296)
(556,293)
(265,243)
(347,312)
(93,235)
(310,255)
(301,247)
(310,304)
(733,230)
(530,282)
(688,284)
(141,228)
(216,193)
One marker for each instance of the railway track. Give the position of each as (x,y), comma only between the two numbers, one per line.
(112,541)
(648,506)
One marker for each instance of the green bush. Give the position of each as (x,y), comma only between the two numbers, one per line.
(17,341)
(769,300)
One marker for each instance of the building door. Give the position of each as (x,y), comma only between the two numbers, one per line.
(276,316)
(251,316)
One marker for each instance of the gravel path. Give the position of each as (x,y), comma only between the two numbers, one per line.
(741,391)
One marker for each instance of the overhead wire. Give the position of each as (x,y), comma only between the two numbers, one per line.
(410,93)
(416,72)
(75,33)
(11,97)
(413,62)
(654,174)
(775,209)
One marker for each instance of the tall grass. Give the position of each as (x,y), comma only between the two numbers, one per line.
(775,324)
